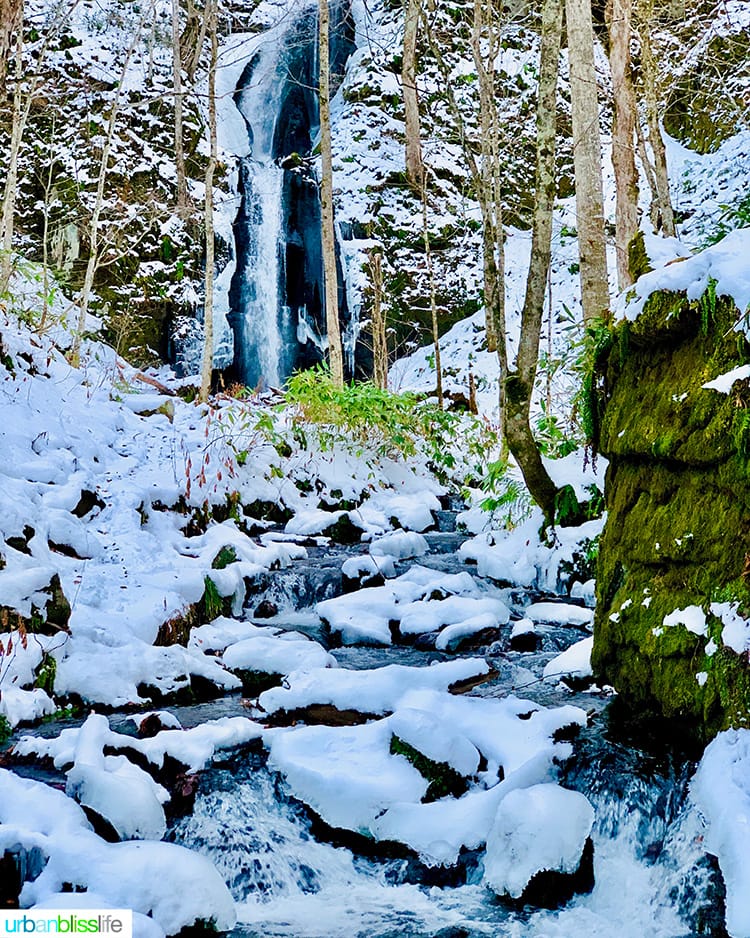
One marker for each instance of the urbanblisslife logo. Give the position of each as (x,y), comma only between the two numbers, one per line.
(114,923)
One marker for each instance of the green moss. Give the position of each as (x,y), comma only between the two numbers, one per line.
(444,780)
(678,505)
(638,260)
(5,730)
(225,556)
(213,602)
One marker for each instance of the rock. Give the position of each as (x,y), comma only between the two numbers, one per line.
(678,505)
(345,531)
(266,609)
(539,849)
(87,502)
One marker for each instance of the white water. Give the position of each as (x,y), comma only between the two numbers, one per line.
(263,329)
(288,885)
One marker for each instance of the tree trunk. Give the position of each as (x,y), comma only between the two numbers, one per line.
(662,213)
(11,26)
(179,143)
(208,304)
(587,162)
(433,302)
(93,262)
(618,14)
(483,30)
(377,318)
(20,115)
(520,382)
(335,351)
(414,168)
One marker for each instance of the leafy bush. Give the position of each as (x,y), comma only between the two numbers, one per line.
(386,423)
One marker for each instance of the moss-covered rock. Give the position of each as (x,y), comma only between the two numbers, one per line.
(678,502)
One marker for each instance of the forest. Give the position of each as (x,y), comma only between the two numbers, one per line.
(375,477)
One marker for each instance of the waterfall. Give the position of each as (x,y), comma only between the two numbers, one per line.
(277,296)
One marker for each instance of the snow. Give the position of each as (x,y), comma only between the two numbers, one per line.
(193,748)
(433,739)
(723,384)
(349,777)
(518,558)
(174,885)
(736,629)
(542,827)
(24,706)
(400,545)
(420,600)
(723,263)
(113,787)
(559,614)
(721,790)
(277,655)
(573,662)
(376,690)
(346,774)
(692,617)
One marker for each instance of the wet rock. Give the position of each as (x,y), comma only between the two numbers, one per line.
(266,609)
(551,889)
(321,714)
(18,864)
(87,502)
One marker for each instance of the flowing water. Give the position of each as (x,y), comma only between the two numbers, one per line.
(652,875)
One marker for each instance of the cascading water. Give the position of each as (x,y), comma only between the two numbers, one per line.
(652,875)
(276,296)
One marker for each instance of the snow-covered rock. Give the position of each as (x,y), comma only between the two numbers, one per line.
(543,827)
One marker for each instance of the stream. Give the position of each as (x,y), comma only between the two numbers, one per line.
(652,876)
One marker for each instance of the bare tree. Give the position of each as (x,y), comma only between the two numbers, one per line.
(179,143)
(11,25)
(211,14)
(414,167)
(662,213)
(377,320)
(587,161)
(433,301)
(618,14)
(521,378)
(23,100)
(94,226)
(335,351)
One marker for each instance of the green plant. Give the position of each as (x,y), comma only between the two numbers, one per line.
(707,306)
(213,603)
(45,675)
(5,730)
(507,501)
(552,440)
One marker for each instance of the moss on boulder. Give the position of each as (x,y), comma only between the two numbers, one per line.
(678,503)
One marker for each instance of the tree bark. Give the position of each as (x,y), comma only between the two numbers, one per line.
(433,302)
(335,351)
(93,262)
(20,116)
(179,142)
(587,162)
(483,30)
(662,212)
(414,167)
(11,26)
(377,318)
(208,215)
(618,13)
(520,381)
